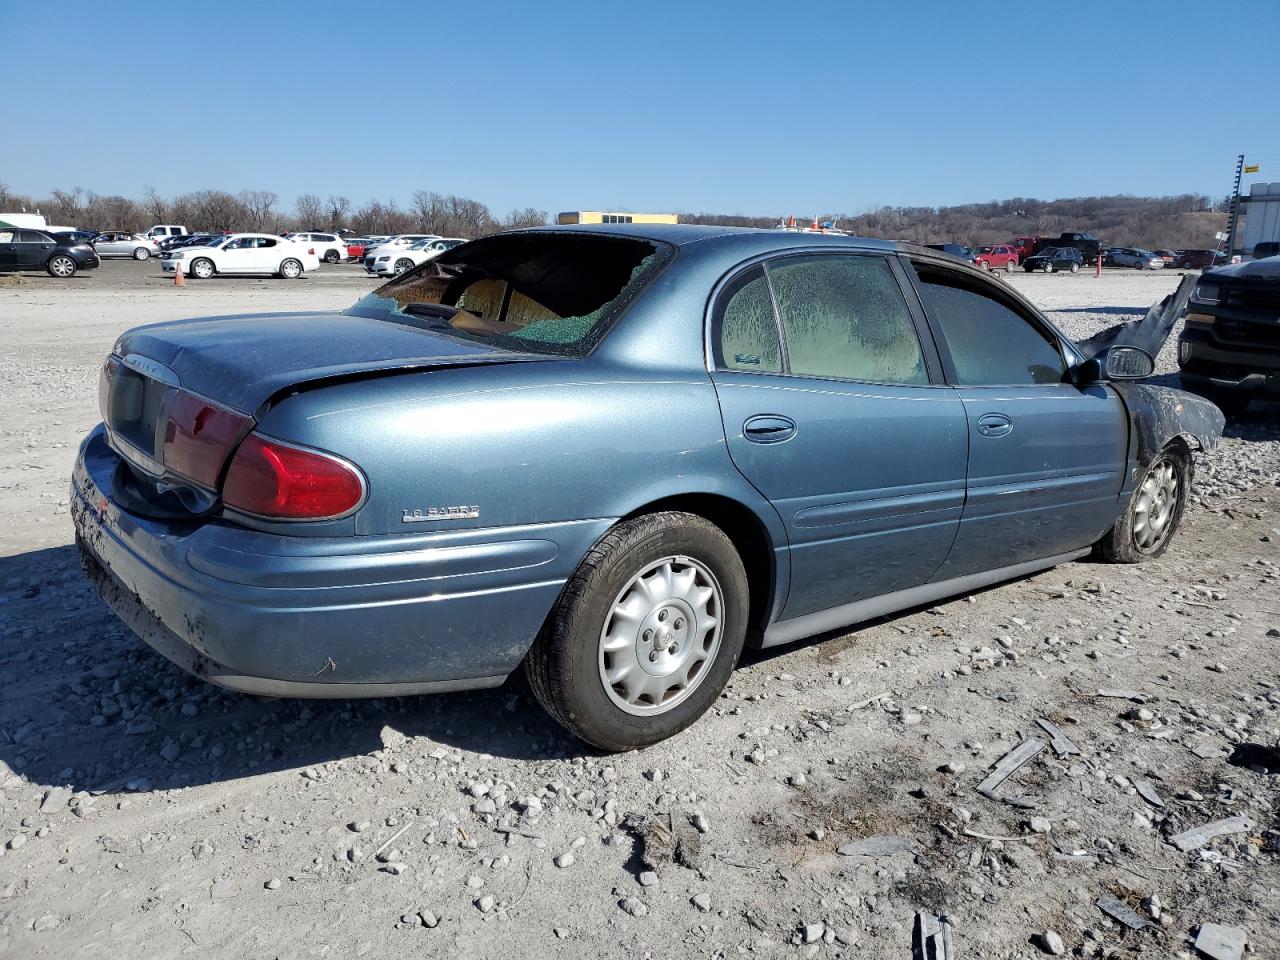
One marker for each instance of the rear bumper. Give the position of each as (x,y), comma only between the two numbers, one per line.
(322,617)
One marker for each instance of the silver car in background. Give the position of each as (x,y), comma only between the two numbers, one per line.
(1135,257)
(116,244)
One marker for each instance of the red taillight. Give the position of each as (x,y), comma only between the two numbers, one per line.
(198,437)
(271,479)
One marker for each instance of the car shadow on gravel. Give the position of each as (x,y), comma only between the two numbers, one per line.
(90,706)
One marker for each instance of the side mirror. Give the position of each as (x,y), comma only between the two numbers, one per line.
(1118,362)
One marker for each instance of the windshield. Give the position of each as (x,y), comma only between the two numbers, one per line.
(553,293)
(420,245)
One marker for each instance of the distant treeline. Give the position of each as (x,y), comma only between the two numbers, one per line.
(1186,221)
(258,210)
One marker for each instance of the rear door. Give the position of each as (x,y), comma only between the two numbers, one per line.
(8,252)
(1046,458)
(834,410)
(32,249)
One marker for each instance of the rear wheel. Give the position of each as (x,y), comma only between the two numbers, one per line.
(1154,511)
(645,633)
(141,253)
(331,256)
(202,268)
(291,269)
(1075,268)
(1048,267)
(1008,266)
(61,266)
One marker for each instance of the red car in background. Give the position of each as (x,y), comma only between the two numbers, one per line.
(1025,246)
(356,247)
(999,256)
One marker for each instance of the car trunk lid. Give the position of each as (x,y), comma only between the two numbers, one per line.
(177,398)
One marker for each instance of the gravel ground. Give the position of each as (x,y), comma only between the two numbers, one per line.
(145,813)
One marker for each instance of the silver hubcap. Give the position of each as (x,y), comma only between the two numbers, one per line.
(402,266)
(203,269)
(63,267)
(1157,500)
(661,636)
(290,270)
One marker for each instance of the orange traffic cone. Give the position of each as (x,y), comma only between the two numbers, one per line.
(178,279)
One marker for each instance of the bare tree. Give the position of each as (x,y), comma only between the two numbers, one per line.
(67,206)
(336,212)
(257,205)
(155,205)
(310,210)
(527,217)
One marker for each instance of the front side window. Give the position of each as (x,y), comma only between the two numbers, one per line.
(991,344)
(844,317)
(746,330)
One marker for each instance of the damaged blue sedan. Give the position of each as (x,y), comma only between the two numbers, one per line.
(614,456)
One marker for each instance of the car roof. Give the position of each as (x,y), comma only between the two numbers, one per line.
(685,234)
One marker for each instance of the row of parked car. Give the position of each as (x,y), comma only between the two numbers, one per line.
(64,252)
(1071,251)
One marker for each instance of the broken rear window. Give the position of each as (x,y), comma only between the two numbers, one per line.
(538,292)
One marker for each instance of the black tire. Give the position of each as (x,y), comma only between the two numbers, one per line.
(564,664)
(1048,268)
(202,268)
(1008,266)
(985,264)
(290,269)
(403,265)
(1121,544)
(141,253)
(61,266)
(331,256)
(1075,268)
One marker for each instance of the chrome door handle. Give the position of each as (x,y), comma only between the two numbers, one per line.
(995,425)
(769,428)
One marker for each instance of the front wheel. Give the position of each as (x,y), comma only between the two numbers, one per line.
(141,253)
(984,264)
(645,633)
(1048,268)
(61,267)
(403,264)
(1154,511)
(291,269)
(202,268)
(1075,268)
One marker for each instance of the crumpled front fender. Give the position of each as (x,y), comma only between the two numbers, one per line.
(1159,414)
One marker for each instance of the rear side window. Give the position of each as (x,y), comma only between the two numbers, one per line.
(990,344)
(748,331)
(845,318)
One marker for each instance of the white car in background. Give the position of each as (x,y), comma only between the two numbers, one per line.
(244,253)
(394,245)
(394,264)
(114,243)
(329,247)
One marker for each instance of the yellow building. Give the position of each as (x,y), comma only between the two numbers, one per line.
(613,216)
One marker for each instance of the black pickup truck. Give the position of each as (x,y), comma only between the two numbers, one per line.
(1229,349)
(1088,245)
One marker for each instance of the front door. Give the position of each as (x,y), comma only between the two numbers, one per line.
(1046,458)
(833,411)
(8,252)
(239,256)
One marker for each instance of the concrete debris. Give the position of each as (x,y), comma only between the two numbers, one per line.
(1062,744)
(1120,911)
(1050,942)
(931,938)
(1137,696)
(55,801)
(1007,766)
(1221,942)
(877,847)
(1198,837)
(1148,792)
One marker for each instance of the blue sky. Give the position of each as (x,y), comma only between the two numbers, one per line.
(767,108)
